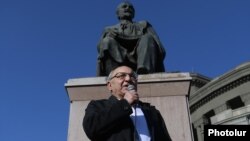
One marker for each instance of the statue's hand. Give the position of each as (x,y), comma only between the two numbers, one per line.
(112,33)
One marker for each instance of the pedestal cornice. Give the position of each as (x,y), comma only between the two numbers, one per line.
(157,83)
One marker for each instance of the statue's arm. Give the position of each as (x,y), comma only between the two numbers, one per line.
(150,30)
(107,32)
(110,31)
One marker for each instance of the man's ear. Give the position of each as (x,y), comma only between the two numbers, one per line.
(109,86)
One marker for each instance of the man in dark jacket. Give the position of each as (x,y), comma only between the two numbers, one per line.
(123,117)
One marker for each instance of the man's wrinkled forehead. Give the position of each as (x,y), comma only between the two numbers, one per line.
(123,69)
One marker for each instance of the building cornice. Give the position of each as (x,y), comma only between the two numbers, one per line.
(220,85)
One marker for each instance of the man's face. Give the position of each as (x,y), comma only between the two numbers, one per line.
(121,78)
(125,11)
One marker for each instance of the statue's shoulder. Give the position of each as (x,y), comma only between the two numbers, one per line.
(112,27)
(144,24)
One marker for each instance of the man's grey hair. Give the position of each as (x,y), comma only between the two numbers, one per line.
(110,76)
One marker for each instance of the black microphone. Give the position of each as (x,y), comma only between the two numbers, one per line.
(132,88)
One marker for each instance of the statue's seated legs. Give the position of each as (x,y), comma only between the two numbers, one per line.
(114,54)
(147,54)
(141,55)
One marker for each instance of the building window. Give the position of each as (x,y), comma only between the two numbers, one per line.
(235,103)
(207,116)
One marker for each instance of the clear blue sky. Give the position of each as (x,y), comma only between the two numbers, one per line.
(43,43)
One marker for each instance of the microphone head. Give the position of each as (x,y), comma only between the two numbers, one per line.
(131,87)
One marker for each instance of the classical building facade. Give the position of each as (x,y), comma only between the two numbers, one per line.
(222,100)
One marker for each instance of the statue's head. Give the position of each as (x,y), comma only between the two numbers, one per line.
(125,10)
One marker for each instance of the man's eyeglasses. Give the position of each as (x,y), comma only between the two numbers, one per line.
(122,75)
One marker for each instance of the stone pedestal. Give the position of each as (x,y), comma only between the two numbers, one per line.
(167,91)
